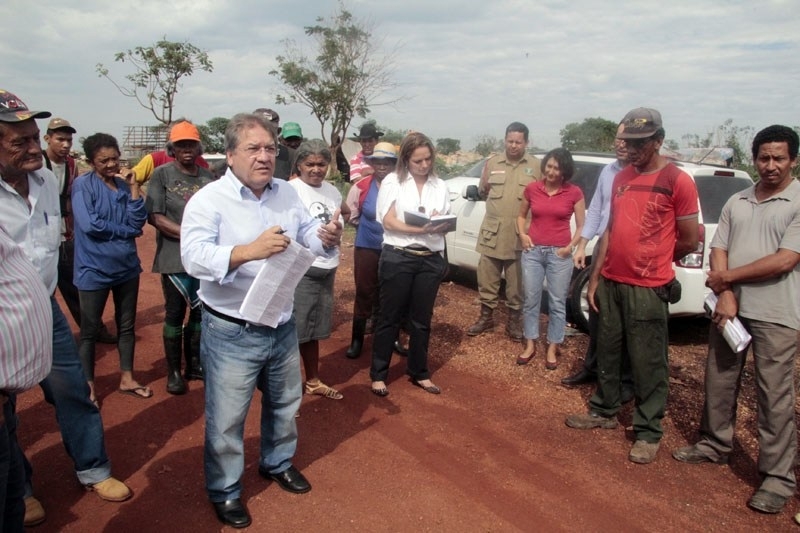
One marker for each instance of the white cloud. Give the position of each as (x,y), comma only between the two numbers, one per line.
(464,68)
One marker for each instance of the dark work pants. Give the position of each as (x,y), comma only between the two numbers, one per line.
(66,267)
(175,305)
(590,359)
(408,287)
(12,474)
(632,318)
(365,271)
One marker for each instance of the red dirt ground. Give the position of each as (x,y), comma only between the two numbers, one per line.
(491,453)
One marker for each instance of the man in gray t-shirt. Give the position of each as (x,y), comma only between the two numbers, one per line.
(755,273)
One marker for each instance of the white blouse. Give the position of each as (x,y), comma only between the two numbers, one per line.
(404,196)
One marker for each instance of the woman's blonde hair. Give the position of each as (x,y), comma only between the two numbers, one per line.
(411,142)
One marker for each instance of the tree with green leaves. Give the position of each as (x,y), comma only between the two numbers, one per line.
(447,146)
(486,144)
(212,134)
(345,78)
(591,135)
(158,73)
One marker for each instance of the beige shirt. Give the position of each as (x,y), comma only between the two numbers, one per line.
(498,237)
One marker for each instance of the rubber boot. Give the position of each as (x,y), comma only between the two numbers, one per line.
(485,322)
(357,341)
(191,350)
(514,324)
(172,349)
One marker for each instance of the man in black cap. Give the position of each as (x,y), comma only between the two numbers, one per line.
(632,280)
(367,138)
(285,155)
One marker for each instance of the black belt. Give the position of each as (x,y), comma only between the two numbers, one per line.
(223,316)
(420,252)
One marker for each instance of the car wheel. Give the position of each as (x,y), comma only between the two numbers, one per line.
(579,307)
(448,269)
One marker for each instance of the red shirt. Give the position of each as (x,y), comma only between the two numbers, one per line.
(551,215)
(643,229)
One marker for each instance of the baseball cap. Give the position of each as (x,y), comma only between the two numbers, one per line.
(12,109)
(291,129)
(383,150)
(268,114)
(60,124)
(640,123)
(184,131)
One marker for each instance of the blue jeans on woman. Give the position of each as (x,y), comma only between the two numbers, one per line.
(237,359)
(541,263)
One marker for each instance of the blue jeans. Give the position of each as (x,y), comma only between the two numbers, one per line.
(78,418)
(541,263)
(237,359)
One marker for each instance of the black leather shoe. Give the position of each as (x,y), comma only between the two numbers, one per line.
(290,480)
(232,513)
(580,377)
(400,349)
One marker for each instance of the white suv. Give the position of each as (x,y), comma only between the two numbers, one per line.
(714,186)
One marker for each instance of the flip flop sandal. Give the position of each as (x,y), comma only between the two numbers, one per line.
(140,392)
(323,390)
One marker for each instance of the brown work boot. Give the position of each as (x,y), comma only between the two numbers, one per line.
(643,452)
(591,420)
(34,512)
(514,324)
(111,490)
(485,322)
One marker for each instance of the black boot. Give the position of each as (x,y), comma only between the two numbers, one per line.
(359,325)
(191,349)
(172,349)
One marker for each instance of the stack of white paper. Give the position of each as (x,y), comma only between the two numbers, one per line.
(273,286)
(734,333)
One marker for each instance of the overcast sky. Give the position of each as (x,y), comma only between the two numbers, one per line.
(464,68)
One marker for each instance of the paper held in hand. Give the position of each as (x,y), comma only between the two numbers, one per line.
(420,219)
(734,333)
(274,285)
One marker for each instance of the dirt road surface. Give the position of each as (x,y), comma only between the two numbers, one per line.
(490,454)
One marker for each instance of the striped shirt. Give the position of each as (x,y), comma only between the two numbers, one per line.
(26,320)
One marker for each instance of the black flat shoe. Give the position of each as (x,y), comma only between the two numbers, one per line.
(581,377)
(400,349)
(290,480)
(431,389)
(232,513)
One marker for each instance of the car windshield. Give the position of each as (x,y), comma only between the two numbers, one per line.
(585,177)
(714,191)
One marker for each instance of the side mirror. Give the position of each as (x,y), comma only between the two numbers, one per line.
(471,193)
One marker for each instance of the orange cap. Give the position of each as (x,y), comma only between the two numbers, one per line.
(184,131)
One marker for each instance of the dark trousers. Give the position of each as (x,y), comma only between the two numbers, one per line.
(408,287)
(175,305)
(92,304)
(66,268)
(633,319)
(12,473)
(590,359)
(365,270)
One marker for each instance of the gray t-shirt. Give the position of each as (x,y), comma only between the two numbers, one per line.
(748,231)
(167,193)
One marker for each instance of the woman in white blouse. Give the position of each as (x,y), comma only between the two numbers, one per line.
(412,264)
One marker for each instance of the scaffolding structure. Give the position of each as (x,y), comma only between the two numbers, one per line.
(141,140)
